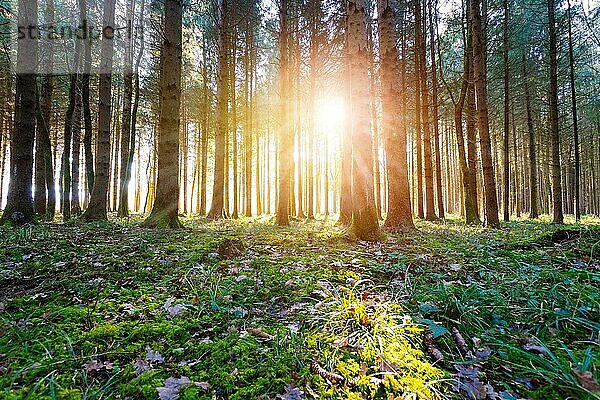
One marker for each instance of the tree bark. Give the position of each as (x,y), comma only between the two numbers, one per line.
(217,209)
(489,181)
(399,216)
(505,160)
(436,132)
(96,210)
(286,142)
(557,203)
(123,208)
(365,224)
(577,182)
(19,198)
(165,210)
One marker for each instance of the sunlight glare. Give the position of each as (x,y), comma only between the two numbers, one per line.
(331,113)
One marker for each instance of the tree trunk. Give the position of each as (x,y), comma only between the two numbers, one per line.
(505,160)
(365,224)
(234,129)
(247,125)
(418,132)
(489,181)
(574,113)
(399,216)
(286,141)
(165,210)
(427,161)
(533,181)
(96,210)
(65,193)
(44,195)
(19,205)
(123,208)
(436,132)
(217,210)
(76,149)
(553,116)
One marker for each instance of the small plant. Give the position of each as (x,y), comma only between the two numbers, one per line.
(373,347)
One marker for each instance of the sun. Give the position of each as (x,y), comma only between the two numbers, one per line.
(331,114)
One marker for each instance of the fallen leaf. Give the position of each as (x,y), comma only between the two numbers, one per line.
(93,366)
(291,392)
(172,387)
(341,342)
(534,348)
(260,334)
(141,366)
(153,356)
(586,379)
(173,310)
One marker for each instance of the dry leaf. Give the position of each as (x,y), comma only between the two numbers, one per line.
(141,366)
(172,387)
(291,392)
(341,342)
(92,366)
(260,334)
(586,379)
(534,348)
(153,356)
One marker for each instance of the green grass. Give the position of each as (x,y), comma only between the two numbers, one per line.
(81,306)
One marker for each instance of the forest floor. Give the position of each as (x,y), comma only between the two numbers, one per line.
(244,310)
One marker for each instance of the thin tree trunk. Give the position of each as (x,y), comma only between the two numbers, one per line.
(574,113)
(557,203)
(217,209)
(505,160)
(123,208)
(286,142)
(436,132)
(420,19)
(489,181)
(98,199)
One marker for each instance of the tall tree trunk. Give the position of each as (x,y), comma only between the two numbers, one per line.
(65,194)
(365,224)
(420,24)
(436,132)
(374,125)
(76,151)
(217,209)
(204,127)
(489,181)
(19,203)
(399,216)
(286,141)
(314,46)
(87,112)
(96,210)
(123,208)
(134,111)
(532,152)
(574,113)
(44,195)
(247,127)
(234,130)
(165,210)
(505,160)
(557,203)
(418,142)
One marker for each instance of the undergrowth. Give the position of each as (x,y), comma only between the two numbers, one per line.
(244,310)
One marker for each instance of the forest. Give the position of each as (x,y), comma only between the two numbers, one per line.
(300,199)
